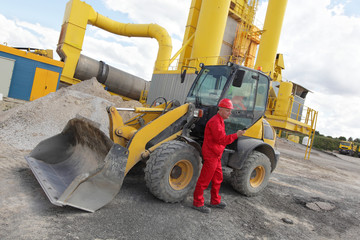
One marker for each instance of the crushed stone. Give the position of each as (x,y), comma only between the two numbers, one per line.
(25,125)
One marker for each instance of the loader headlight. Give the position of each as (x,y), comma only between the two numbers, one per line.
(198,113)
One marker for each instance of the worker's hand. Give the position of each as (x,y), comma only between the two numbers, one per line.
(239,133)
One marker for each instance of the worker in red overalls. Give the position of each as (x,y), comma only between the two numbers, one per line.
(215,141)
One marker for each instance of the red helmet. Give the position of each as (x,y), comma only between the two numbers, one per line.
(226,103)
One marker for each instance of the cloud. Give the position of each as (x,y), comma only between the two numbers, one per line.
(172,15)
(321,52)
(323,45)
(337,116)
(17,33)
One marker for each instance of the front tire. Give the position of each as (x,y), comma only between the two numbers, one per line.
(254,176)
(172,171)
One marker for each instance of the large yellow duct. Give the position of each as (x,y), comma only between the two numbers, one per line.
(284,100)
(190,30)
(270,38)
(138,30)
(78,14)
(210,31)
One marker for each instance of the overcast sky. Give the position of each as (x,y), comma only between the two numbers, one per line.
(320,41)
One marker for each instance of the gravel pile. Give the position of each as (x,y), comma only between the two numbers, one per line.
(26,125)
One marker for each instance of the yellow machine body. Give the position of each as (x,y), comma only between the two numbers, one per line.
(282,106)
(271,35)
(209,32)
(135,134)
(209,23)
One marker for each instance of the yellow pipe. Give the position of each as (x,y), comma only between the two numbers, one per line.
(284,100)
(78,14)
(190,30)
(138,30)
(210,31)
(270,38)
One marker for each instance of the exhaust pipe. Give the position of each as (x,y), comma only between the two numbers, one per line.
(114,79)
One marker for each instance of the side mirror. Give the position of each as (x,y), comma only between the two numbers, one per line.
(183,74)
(238,79)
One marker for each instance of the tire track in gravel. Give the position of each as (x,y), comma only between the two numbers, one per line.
(20,196)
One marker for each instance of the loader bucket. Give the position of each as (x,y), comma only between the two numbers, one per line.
(80,167)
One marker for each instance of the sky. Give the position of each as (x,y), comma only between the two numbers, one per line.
(320,41)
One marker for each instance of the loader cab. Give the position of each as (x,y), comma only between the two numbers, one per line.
(247,88)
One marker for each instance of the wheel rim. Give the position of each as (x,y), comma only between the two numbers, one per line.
(181,174)
(257,176)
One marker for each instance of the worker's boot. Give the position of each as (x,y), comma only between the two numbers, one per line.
(202,209)
(221,205)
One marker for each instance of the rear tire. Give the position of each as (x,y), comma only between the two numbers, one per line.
(172,171)
(254,176)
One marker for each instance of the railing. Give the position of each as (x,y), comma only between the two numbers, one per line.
(195,62)
(302,114)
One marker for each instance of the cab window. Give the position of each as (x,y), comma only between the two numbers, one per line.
(249,101)
(209,86)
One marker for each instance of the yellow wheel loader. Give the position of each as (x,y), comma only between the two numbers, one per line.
(83,168)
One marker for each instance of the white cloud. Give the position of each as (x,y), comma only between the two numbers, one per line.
(323,46)
(336,116)
(23,34)
(172,15)
(321,52)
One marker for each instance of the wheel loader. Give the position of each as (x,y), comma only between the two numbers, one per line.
(83,168)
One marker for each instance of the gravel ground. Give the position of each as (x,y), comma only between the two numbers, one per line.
(305,199)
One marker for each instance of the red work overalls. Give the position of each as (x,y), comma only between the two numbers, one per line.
(215,141)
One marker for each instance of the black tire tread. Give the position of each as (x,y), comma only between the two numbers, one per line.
(240,178)
(156,168)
